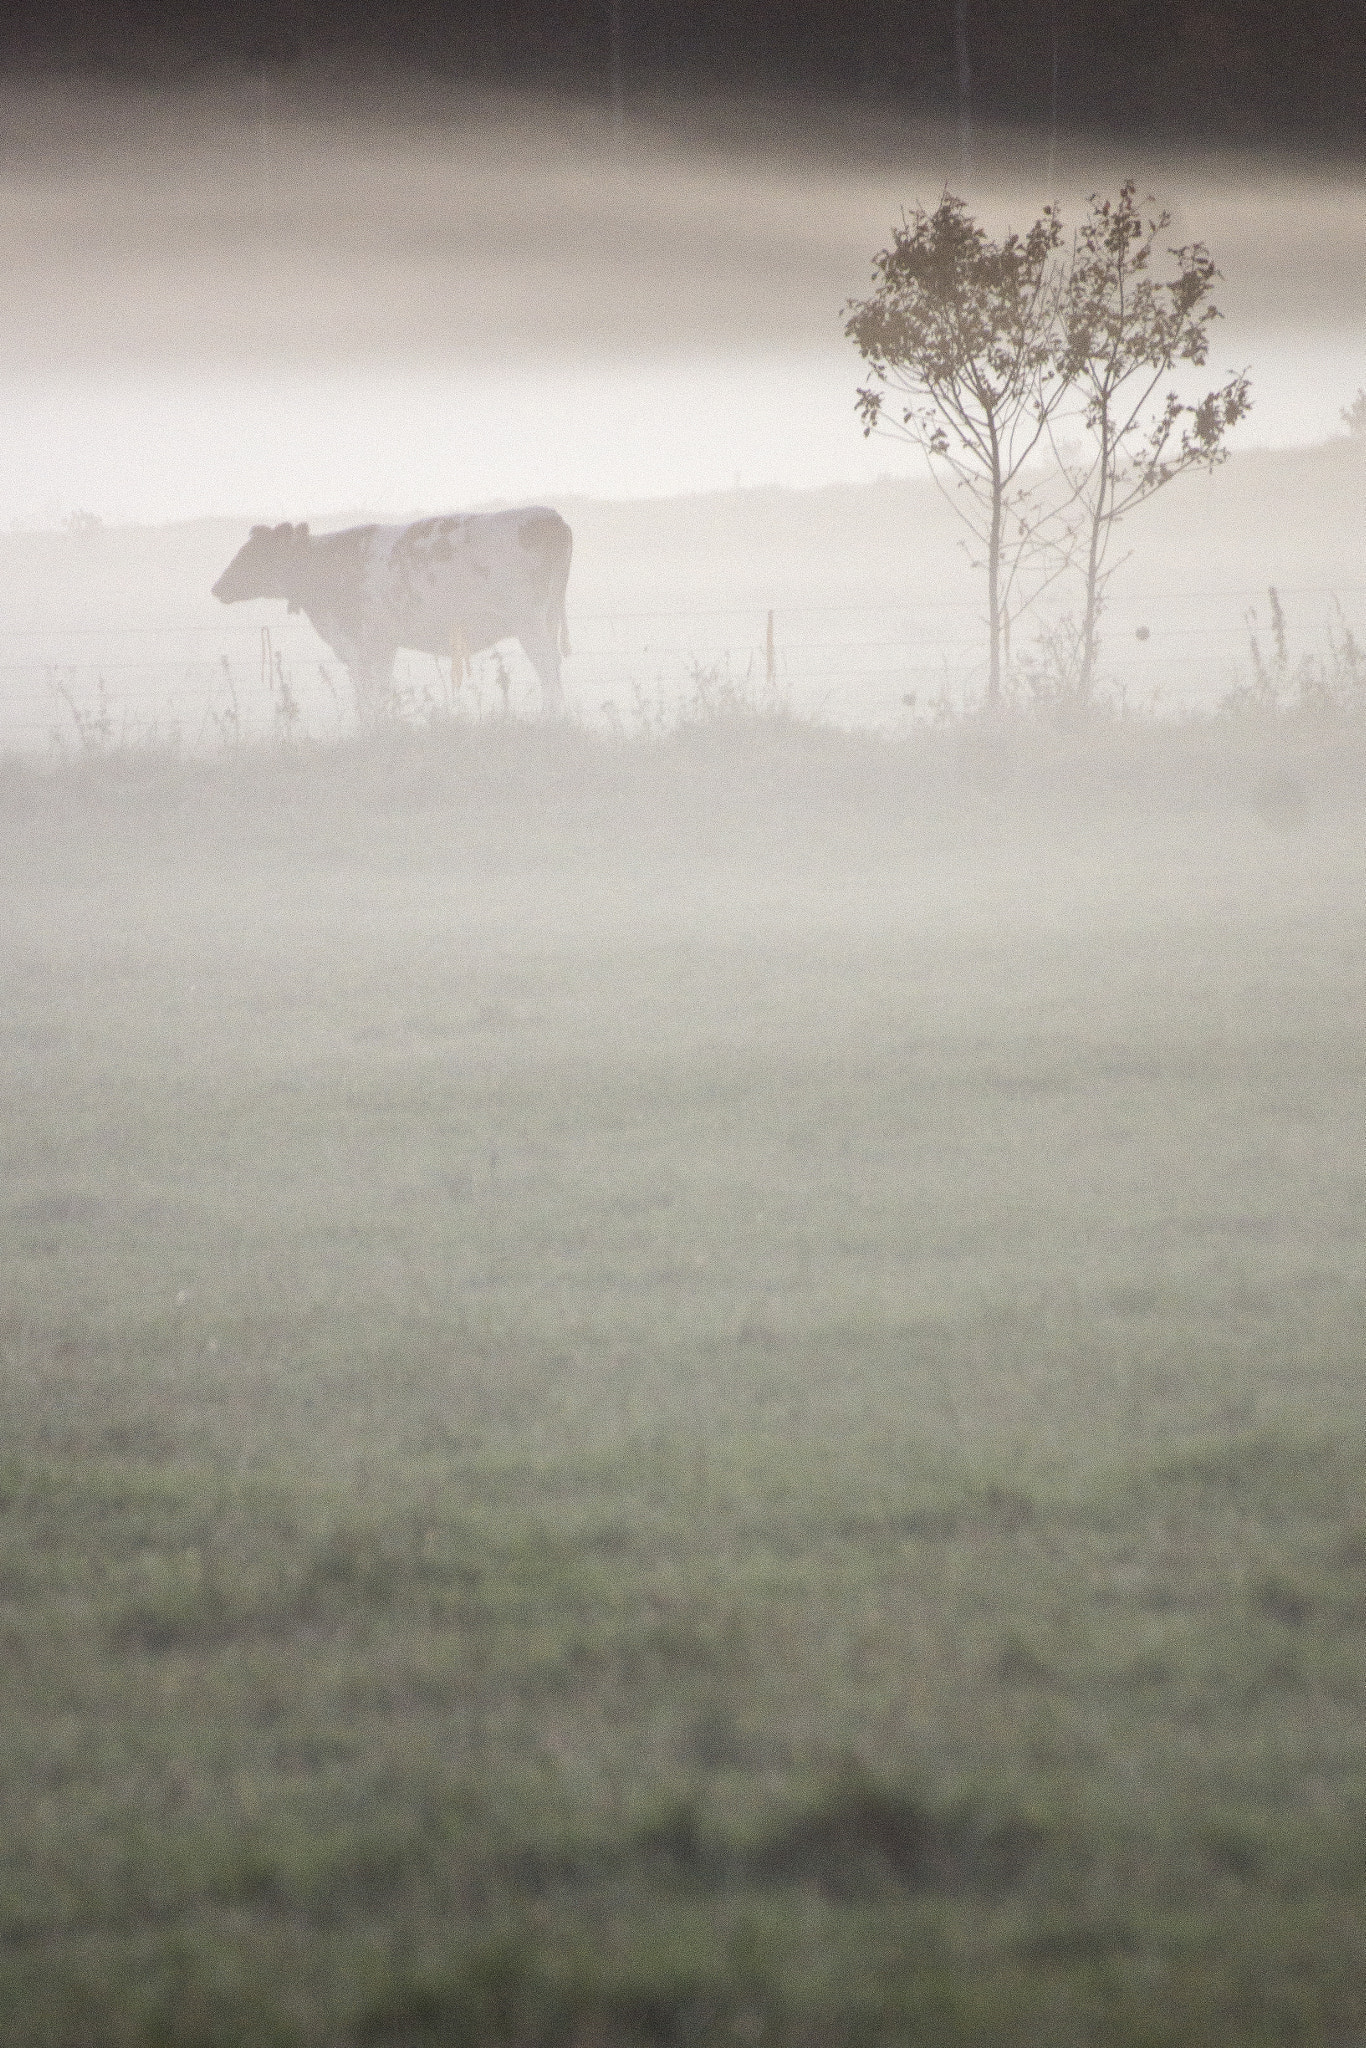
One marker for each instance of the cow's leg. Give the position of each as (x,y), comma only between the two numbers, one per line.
(372,679)
(542,649)
(363,690)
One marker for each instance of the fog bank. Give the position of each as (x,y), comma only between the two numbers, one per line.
(255,295)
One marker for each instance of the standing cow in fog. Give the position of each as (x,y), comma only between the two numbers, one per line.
(440,586)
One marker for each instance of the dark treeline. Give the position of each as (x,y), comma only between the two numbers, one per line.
(1243,70)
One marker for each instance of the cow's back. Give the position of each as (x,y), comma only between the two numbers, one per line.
(483,575)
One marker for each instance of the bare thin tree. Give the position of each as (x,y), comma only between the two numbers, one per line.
(960,335)
(1123,335)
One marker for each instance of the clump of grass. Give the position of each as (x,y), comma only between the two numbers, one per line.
(95,729)
(1328,683)
(862,1835)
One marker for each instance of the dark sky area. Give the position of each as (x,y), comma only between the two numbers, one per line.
(1250,72)
(332,255)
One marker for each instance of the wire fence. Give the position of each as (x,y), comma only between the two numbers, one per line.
(198,684)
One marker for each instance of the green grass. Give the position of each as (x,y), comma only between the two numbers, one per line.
(709,1393)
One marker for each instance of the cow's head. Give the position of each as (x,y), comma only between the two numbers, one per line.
(267,566)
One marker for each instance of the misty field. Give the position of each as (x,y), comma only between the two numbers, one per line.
(698,1392)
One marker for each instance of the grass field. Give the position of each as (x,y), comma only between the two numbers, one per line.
(701,1392)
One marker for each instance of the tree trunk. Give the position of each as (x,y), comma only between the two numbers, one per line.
(1086,674)
(994,599)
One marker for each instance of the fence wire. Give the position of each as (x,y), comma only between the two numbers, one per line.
(202,684)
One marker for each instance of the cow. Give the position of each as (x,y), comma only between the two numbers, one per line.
(441,586)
